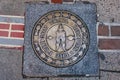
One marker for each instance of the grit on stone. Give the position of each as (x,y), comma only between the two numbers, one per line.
(11,65)
(35,67)
(11,60)
(108,10)
(11,68)
(111,61)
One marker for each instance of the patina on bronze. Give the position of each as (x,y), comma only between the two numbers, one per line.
(60,38)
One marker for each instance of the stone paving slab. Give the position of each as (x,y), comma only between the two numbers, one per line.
(78,78)
(11,68)
(12,19)
(11,65)
(108,9)
(110,76)
(110,61)
(11,41)
(88,65)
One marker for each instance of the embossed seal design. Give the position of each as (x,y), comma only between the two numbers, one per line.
(60,38)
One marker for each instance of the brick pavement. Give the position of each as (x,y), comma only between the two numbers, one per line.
(108,41)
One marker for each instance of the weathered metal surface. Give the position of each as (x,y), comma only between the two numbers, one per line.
(60,38)
(82,62)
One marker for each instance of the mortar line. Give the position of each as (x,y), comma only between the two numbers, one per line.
(10,30)
(12,38)
(10,45)
(112,24)
(97,25)
(109,27)
(12,23)
(108,37)
(106,50)
(12,16)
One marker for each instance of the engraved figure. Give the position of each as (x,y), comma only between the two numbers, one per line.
(60,38)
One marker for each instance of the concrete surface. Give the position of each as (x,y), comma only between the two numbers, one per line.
(108,10)
(110,61)
(11,60)
(11,67)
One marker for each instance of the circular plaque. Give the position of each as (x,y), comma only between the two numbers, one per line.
(60,38)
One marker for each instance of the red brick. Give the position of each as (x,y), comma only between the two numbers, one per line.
(18,27)
(4,33)
(56,1)
(115,30)
(109,44)
(17,34)
(4,26)
(103,30)
(15,48)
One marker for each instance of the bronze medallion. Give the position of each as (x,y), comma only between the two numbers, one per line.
(60,38)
